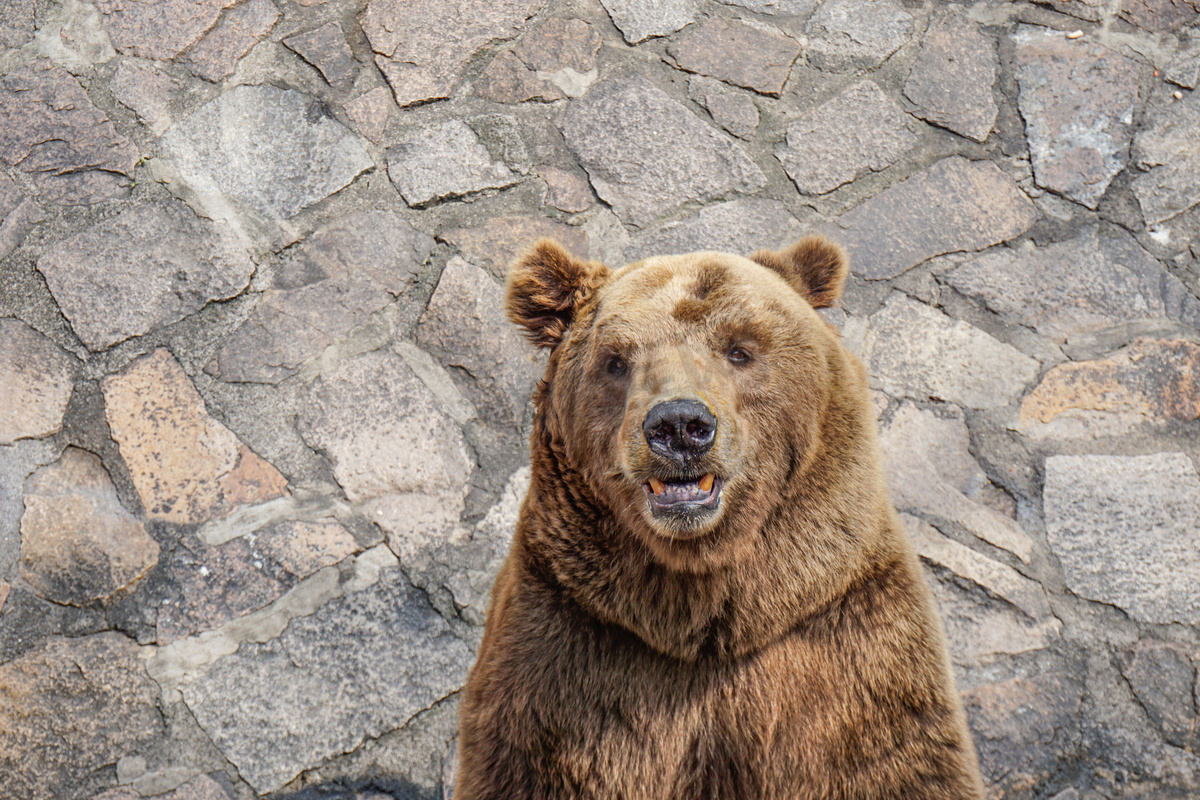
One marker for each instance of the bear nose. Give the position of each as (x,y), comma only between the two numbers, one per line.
(680,429)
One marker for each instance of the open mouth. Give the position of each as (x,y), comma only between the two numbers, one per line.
(686,496)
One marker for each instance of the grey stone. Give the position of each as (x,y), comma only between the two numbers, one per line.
(160,30)
(370,111)
(1160,16)
(738,226)
(326,49)
(499,241)
(36,380)
(978,631)
(951,80)
(423,50)
(560,44)
(1077,100)
(1082,284)
(145,90)
(71,708)
(508,80)
(444,162)
(1124,529)
(1163,678)
(732,110)
(276,150)
(856,35)
(787,8)
(78,544)
(917,351)
(394,452)
(215,57)
(1184,67)
(616,130)
(50,130)
(953,206)
(17,215)
(344,272)
(638,20)
(858,131)
(564,190)
(466,328)
(17,462)
(283,706)
(145,268)
(1166,148)
(16,22)
(752,56)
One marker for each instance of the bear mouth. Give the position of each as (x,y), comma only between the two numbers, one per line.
(686,496)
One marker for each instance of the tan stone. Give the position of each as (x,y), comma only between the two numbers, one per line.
(302,548)
(369,112)
(78,545)
(186,466)
(564,191)
(36,379)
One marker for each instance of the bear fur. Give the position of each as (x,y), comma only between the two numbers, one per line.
(738,614)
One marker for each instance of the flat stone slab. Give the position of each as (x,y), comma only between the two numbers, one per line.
(1085,283)
(326,49)
(344,272)
(919,352)
(1163,677)
(1077,99)
(560,44)
(508,80)
(369,112)
(187,468)
(564,190)
(1160,16)
(752,56)
(499,241)
(161,29)
(930,471)
(276,150)
(200,787)
(423,51)
(277,708)
(78,544)
(17,215)
(733,110)
(445,162)
(216,56)
(50,130)
(394,451)
(638,20)
(856,35)
(953,206)
(144,90)
(858,131)
(978,631)
(36,380)
(738,226)
(72,707)
(146,268)
(1124,529)
(616,132)
(1166,148)
(951,80)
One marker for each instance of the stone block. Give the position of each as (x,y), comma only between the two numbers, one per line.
(951,80)
(856,35)
(448,161)
(752,56)
(215,57)
(36,381)
(638,20)
(499,241)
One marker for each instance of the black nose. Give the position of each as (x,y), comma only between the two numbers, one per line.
(680,430)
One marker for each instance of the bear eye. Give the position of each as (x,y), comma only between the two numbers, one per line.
(617,367)
(739,356)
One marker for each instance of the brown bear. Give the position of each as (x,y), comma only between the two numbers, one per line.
(709,594)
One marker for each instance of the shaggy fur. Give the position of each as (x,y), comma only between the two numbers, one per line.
(782,645)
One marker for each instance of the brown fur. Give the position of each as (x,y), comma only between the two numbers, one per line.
(784,647)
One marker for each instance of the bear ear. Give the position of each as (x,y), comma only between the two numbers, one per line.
(546,287)
(814,266)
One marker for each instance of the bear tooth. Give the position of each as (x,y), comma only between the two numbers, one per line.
(658,486)
(706,483)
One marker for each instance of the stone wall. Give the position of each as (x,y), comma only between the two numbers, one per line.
(262,421)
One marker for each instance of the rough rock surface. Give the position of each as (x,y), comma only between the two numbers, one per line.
(444,162)
(1163,677)
(951,80)
(856,35)
(615,131)
(326,49)
(639,20)
(738,226)
(215,57)
(507,80)
(980,633)
(751,56)
(734,111)
(1172,158)
(143,89)
(369,112)
(36,379)
(17,215)
(160,30)
(560,44)
(564,190)
(500,240)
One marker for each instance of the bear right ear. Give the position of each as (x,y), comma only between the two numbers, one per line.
(546,287)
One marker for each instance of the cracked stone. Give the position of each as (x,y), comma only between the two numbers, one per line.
(445,162)
(283,706)
(36,381)
(638,20)
(146,268)
(423,51)
(739,226)
(276,150)
(1077,100)
(342,274)
(161,29)
(752,56)
(143,89)
(71,707)
(394,451)
(930,471)
(508,80)
(787,8)
(564,190)
(16,22)
(501,240)
(856,35)
(1082,284)
(732,110)
(302,548)
(200,787)
(560,44)
(17,462)
(466,328)
(1124,530)
(50,130)
(1163,678)
(951,80)
(1160,16)
(1184,67)
(17,215)
(616,130)
(370,111)
(78,544)
(1171,155)
(919,352)
(326,49)
(187,468)
(215,58)
(953,206)
(978,630)
(858,131)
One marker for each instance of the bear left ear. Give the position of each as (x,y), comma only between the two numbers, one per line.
(814,266)
(546,287)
